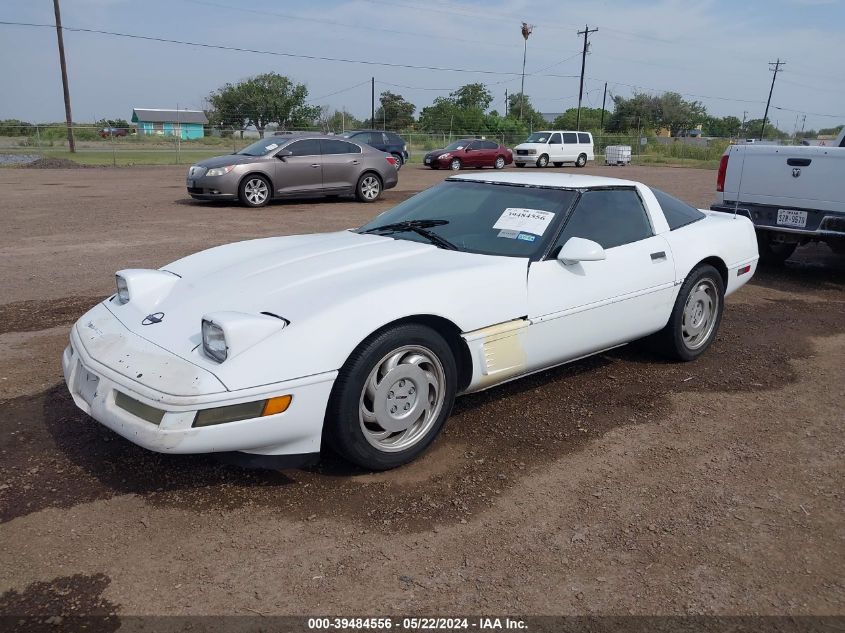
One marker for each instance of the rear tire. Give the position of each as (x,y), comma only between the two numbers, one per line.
(543,161)
(500,162)
(368,188)
(695,317)
(773,253)
(582,160)
(405,368)
(255,191)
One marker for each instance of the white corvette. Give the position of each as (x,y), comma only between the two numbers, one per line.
(363,338)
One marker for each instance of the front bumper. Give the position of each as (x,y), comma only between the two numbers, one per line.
(820,224)
(95,386)
(213,188)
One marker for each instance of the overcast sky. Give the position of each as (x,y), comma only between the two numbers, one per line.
(716,51)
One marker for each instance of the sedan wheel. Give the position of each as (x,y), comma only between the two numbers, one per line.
(455,165)
(369,188)
(254,191)
(500,162)
(392,397)
(695,317)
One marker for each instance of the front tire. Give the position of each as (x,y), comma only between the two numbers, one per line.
(392,397)
(254,191)
(455,164)
(368,188)
(696,316)
(542,161)
(582,160)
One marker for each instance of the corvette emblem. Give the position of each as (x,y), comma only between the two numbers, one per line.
(151,319)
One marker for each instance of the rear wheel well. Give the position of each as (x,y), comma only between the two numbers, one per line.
(719,265)
(451,333)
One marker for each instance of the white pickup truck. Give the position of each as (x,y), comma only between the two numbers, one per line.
(792,194)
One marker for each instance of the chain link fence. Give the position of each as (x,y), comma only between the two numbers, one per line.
(122,146)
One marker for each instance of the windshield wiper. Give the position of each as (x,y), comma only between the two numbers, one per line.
(420,227)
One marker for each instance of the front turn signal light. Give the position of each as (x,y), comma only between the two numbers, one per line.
(276,405)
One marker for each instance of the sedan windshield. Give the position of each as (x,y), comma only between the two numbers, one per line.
(454,147)
(479,217)
(538,137)
(262,147)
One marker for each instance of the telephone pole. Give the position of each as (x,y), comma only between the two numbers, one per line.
(373,102)
(506,103)
(586,32)
(526,31)
(59,36)
(775,68)
(603,100)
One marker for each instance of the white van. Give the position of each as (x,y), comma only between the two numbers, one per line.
(556,147)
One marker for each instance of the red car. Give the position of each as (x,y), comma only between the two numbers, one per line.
(469,152)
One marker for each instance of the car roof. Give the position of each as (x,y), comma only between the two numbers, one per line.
(567,181)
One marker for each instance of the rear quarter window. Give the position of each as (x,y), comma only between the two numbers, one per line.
(677,212)
(584,138)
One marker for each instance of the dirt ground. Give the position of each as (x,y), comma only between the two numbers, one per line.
(622,484)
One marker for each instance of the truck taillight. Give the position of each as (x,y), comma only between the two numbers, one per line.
(720,176)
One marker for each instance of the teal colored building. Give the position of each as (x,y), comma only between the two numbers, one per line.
(188,124)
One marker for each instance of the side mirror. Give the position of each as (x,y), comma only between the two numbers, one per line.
(577,249)
(283,153)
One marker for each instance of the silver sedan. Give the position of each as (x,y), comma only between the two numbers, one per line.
(288,166)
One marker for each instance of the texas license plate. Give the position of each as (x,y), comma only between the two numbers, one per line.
(190,183)
(792,217)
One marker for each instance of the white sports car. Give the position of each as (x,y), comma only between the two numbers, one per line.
(363,338)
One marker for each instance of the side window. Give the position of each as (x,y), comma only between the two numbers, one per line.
(490,145)
(677,213)
(555,140)
(385,139)
(333,146)
(583,137)
(611,217)
(570,138)
(307,147)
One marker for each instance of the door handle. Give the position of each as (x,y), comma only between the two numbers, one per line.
(658,256)
(798,162)
(354,162)
(315,165)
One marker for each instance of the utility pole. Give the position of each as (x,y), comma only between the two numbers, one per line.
(603,100)
(68,116)
(506,103)
(586,32)
(775,68)
(526,31)
(373,102)
(742,127)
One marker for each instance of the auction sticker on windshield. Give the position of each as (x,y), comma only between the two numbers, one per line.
(524,220)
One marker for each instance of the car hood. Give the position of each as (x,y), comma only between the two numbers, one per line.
(229,159)
(330,287)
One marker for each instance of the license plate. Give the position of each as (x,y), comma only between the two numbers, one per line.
(427,161)
(190,183)
(792,217)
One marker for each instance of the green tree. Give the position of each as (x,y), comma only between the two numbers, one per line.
(395,113)
(340,121)
(590,119)
(472,97)
(677,114)
(831,131)
(669,110)
(752,130)
(117,123)
(263,99)
(530,117)
(724,127)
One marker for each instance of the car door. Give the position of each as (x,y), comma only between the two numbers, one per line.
(491,150)
(569,148)
(341,164)
(555,148)
(580,308)
(302,170)
(471,154)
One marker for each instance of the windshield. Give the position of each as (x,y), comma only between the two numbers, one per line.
(262,147)
(538,137)
(454,147)
(486,218)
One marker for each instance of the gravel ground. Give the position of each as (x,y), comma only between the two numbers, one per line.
(619,484)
